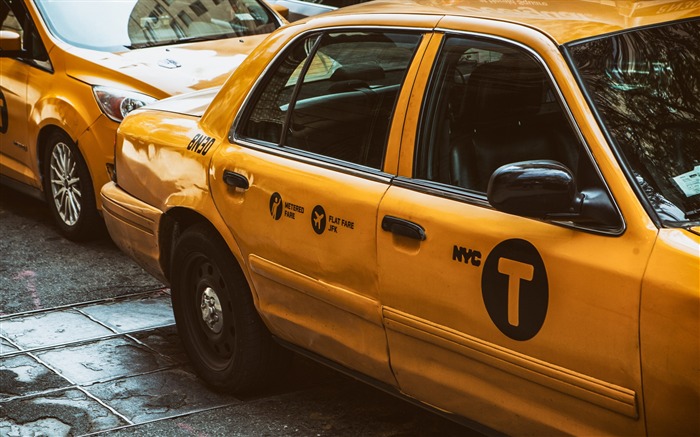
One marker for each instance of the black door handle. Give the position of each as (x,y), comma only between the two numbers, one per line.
(403,227)
(236,180)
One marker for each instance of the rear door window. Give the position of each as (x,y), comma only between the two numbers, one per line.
(333,95)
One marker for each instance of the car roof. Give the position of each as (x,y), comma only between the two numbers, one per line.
(562,20)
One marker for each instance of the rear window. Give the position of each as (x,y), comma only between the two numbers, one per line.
(335,93)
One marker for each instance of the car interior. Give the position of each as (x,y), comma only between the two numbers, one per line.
(343,107)
(487,114)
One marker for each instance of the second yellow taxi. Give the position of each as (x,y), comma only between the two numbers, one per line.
(71,69)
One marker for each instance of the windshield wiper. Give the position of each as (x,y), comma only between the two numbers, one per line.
(188,39)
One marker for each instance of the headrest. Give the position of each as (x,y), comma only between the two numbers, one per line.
(366,72)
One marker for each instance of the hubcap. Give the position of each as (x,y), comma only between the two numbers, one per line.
(212,315)
(65,184)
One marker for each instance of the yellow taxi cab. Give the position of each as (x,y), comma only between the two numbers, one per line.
(490,208)
(70,70)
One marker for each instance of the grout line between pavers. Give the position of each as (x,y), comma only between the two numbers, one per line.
(161,419)
(74,385)
(82,341)
(155,291)
(107,406)
(12,343)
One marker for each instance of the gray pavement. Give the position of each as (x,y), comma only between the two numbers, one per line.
(88,346)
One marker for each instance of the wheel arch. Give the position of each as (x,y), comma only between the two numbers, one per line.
(74,112)
(177,220)
(240,355)
(42,142)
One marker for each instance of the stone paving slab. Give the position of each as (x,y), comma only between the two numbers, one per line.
(103,360)
(64,413)
(70,371)
(159,395)
(165,341)
(22,375)
(134,315)
(51,329)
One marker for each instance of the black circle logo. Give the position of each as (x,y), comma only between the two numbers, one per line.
(318,219)
(515,289)
(276,206)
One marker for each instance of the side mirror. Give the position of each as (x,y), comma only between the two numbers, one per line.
(547,190)
(10,43)
(532,189)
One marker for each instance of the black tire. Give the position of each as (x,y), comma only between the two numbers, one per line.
(227,342)
(68,189)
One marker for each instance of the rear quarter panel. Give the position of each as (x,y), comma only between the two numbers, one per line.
(163,158)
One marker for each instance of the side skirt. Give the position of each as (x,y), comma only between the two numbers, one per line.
(23,188)
(389,389)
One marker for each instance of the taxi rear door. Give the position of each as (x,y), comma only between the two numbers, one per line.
(523,325)
(301,185)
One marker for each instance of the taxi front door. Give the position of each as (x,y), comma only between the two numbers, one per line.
(13,107)
(509,319)
(20,75)
(514,322)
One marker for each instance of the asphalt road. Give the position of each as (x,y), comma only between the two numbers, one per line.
(41,272)
(39,269)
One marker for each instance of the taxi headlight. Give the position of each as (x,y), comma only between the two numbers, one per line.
(116,103)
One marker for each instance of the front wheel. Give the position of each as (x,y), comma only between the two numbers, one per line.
(69,190)
(221,331)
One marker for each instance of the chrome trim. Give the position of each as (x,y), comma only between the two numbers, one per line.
(321,161)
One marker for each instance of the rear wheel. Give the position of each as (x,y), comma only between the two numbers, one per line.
(69,190)
(222,333)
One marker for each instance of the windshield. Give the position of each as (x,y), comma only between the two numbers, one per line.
(126,24)
(645,85)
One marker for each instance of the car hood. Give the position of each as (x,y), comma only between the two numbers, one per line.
(165,70)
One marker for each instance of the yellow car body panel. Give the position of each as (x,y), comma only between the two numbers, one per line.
(328,306)
(670,310)
(138,230)
(563,21)
(615,350)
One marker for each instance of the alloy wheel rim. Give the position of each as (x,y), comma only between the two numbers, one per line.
(65,184)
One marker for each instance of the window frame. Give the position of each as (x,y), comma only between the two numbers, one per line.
(31,39)
(258,87)
(475,198)
(621,158)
